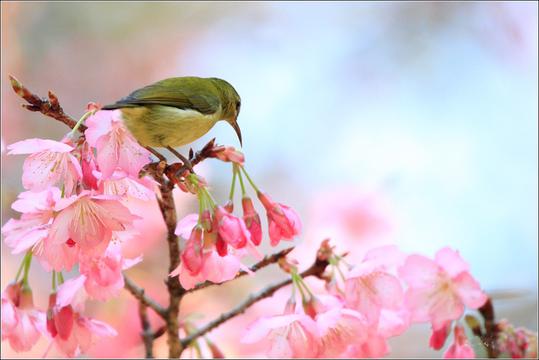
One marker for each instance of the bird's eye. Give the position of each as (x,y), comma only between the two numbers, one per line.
(238,106)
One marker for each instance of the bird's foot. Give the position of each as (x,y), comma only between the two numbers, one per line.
(185,161)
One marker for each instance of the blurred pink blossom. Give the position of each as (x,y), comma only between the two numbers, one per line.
(438,290)
(290,335)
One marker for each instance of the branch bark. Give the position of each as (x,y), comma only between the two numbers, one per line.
(139,294)
(147,333)
(317,269)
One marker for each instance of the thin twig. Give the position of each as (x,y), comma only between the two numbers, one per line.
(317,269)
(268,260)
(139,294)
(146,334)
(50,107)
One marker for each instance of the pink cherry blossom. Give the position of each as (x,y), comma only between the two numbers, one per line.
(460,349)
(284,222)
(104,278)
(116,147)
(34,224)
(231,228)
(439,290)
(50,163)
(216,269)
(89,220)
(71,332)
(289,336)
(22,324)
(252,220)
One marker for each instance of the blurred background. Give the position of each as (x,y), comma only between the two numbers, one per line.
(407,123)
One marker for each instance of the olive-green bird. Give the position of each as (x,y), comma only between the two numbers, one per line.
(177,111)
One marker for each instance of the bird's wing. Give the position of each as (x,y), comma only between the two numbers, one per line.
(182,94)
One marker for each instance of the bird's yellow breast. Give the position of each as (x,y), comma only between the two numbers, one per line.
(162,126)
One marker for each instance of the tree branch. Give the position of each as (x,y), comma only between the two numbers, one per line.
(146,334)
(317,269)
(139,294)
(50,107)
(268,260)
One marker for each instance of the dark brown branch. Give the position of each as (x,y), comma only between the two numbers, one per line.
(168,210)
(139,294)
(317,269)
(491,330)
(268,260)
(50,107)
(146,334)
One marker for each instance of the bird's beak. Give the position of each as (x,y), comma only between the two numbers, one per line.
(236,127)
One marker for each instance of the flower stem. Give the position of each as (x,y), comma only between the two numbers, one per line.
(250,180)
(60,277)
(27,262)
(23,262)
(241,181)
(81,120)
(54,281)
(233,185)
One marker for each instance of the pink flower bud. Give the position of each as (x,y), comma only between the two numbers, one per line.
(192,256)
(228,154)
(252,220)
(232,229)
(284,222)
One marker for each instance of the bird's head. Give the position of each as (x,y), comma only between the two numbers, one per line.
(231,104)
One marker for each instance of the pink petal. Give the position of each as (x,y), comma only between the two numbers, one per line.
(68,291)
(261,327)
(107,155)
(98,125)
(470,291)
(31,146)
(129,263)
(186,225)
(132,156)
(419,271)
(451,261)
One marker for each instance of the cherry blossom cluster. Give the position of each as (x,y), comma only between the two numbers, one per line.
(216,239)
(369,302)
(74,213)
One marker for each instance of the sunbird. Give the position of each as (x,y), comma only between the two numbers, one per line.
(177,111)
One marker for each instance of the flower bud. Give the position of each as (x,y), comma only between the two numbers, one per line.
(284,222)
(192,256)
(231,229)
(252,220)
